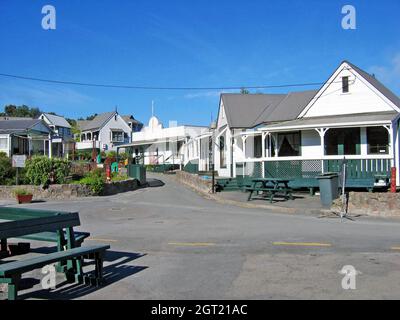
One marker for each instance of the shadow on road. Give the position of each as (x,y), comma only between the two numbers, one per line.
(112,274)
(155,183)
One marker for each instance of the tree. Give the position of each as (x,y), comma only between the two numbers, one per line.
(244,91)
(21,111)
(90,118)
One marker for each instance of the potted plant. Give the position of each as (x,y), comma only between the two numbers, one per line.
(23,196)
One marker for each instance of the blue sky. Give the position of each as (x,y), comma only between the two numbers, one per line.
(185,44)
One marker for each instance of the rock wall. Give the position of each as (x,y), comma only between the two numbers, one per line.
(194,181)
(58,191)
(373,204)
(68,191)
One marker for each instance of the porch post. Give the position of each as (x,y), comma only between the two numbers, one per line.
(244,146)
(263,154)
(322,132)
(50,148)
(392,152)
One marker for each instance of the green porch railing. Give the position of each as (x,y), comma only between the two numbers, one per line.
(361,169)
(192,167)
(303,173)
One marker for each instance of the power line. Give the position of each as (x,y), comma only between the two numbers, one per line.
(113,86)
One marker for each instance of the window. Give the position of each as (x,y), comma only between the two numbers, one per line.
(289,144)
(345,85)
(339,142)
(117,136)
(378,140)
(257,147)
(222,152)
(3,143)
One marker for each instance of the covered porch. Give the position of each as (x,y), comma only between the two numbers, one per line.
(302,149)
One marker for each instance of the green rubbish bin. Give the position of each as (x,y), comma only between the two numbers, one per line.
(328,188)
(138,172)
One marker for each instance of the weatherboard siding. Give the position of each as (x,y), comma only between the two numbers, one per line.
(362,98)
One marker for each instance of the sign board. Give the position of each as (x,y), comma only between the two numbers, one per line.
(18,161)
(56,140)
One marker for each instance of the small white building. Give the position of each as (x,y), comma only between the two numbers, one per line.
(156,145)
(105,132)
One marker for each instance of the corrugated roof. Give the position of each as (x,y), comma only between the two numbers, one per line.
(243,110)
(57,120)
(377,84)
(337,120)
(289,108)
(98,122)
(251,110)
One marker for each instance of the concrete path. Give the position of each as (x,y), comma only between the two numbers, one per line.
(170,243)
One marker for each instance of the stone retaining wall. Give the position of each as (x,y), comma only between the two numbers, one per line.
(194,181)
(68,191)
(373,204)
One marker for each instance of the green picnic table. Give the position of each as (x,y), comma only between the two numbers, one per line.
(270,188)
(41,225)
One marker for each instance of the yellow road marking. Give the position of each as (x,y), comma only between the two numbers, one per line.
(101,240)
(191,244)
(302,244)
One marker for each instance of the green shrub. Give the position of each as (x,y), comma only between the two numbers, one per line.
(95,180)
(61,169)
(39,169)
(7,172)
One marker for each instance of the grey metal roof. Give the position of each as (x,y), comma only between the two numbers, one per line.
(98,122)
(13,126)
(289,108)
(57,120)
(243,110)
(332,121)
(377,84)
(251,110)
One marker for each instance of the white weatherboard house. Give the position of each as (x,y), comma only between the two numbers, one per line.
(25,137)
(106,132)
(63,139)
(300,135)
(156,145)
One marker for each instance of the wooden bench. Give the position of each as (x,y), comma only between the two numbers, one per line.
(10,273)
(271,193)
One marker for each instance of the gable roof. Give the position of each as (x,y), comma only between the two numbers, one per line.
(243,110)
(57,120)
(377,84)
(98,122)
(252,110)
(14,126)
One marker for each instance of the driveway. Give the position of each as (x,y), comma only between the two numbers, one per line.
(170,243)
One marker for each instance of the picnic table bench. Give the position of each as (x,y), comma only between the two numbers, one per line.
(69,257)
(270,188)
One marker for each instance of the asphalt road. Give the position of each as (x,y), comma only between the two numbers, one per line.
(170,243)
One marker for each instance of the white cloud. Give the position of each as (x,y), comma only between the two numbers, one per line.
(47,98)
(389,74)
